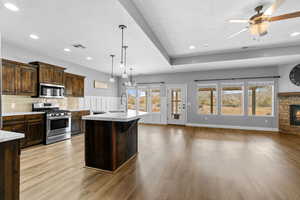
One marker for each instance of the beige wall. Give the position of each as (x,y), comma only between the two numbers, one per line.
(11,103)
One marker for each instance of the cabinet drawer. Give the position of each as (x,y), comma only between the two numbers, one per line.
(13,119)
(34,117)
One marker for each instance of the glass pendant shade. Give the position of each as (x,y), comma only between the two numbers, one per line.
(259,29)
(112,79)
(124,75)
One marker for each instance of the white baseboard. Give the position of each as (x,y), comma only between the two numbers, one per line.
(233,127)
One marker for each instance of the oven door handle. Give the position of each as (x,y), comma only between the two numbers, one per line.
(64,117)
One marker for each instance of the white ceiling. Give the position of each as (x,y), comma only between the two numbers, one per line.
(176,23)
(179,24)
(93,23)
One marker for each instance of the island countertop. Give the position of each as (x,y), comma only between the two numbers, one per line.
(118,117)
(6,136)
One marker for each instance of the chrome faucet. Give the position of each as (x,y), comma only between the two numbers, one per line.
(124,95)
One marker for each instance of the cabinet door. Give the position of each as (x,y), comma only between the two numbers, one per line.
(8,78)
(34,132)
(27,84)
(10,170)
(68,85)
(45,74)
(58,77)
(76,125)
(80,87)
(18,127)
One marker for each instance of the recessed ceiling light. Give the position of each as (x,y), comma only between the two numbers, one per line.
(295,34)
(67,49)
(89,58)
(192,47)
(205,45)
(33,36)
(11,6)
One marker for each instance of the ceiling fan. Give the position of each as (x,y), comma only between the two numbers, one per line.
(258,24)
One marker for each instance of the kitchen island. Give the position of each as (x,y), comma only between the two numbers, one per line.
(10,165)
(111,139)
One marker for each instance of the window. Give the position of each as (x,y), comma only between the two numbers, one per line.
(207,100)
(131,95)
(143,100)
(232,99)
(260,98)
(155,100)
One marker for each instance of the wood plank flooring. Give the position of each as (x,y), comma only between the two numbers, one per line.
(174,163)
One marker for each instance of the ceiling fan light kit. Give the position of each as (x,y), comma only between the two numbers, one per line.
(259,23)
(259,29)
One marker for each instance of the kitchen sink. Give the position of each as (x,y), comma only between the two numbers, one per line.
(117,111)
(99,113)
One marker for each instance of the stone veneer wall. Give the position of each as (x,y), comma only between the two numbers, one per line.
(284,114)
(11,103)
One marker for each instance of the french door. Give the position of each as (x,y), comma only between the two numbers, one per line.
(149,99)
(176,104)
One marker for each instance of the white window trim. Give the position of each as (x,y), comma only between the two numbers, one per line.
(263,83)
(215,85)
(242,84)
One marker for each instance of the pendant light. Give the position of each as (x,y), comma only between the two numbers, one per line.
(124,74)
(112,78)
(131,82)
(122,64)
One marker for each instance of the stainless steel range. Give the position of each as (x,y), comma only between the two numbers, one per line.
(58,122)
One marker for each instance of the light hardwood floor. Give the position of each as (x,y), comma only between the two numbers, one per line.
(174,163)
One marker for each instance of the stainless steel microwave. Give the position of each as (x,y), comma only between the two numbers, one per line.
(51,91)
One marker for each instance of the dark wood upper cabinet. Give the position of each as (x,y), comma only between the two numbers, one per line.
(58,76)
(50,74)
(9,72)
(74,85)
(19,78)
(27,80)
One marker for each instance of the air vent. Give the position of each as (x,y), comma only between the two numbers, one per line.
(79,46)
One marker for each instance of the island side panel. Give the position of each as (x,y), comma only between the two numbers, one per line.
(10,170)
(98,144)
(127,141)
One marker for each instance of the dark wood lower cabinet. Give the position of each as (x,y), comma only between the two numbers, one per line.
(109,144)
(77,124)
(33,126)
(10,170)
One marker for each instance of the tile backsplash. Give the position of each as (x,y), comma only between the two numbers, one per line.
(12,103)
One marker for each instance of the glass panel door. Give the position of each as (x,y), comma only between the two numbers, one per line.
(143,99)
(155,100)
(177,104)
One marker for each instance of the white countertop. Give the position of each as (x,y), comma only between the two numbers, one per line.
(79,109)
(6,136)
(119,117)
(21,113)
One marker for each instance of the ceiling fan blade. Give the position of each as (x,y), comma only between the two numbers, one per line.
(239,21)
(284,17)
(273,7)
(236,34)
